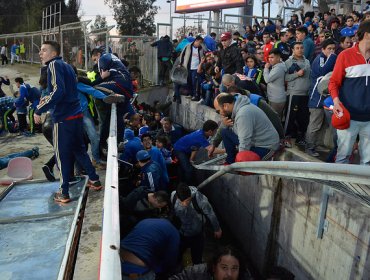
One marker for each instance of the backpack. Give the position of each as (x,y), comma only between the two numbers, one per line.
(175,220)
(33,94)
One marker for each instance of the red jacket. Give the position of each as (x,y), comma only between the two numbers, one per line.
(350,82)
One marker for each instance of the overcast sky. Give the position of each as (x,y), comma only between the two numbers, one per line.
(91,8)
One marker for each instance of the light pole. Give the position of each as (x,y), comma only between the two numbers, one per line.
(170,2)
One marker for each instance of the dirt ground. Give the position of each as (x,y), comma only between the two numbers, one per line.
(11,142)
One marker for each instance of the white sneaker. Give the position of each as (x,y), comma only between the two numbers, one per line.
(201,101)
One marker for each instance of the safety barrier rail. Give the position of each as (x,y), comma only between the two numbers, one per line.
(110,265)
(352,180)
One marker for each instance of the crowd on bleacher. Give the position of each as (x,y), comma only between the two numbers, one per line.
(289,66)
(270,85)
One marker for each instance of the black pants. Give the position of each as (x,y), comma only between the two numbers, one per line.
(22,120)
(164,66)
(196,245)
(298,116)
(4,59)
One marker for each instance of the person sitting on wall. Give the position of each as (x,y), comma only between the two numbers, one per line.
(248,127)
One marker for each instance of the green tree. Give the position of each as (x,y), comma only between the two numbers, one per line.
(188,29)
(70,11)
(26,15)
(134,17)
(99,24)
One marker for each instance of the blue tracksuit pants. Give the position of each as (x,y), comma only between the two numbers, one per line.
(69,146)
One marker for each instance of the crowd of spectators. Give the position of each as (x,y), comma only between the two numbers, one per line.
(267,86)
(282,63)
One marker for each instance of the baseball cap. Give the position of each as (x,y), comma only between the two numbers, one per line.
(142,155)
(129,134)
(341,122)
(225,36)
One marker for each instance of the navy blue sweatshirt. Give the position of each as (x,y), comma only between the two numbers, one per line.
(62,86)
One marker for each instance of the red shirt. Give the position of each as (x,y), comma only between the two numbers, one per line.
(266,51)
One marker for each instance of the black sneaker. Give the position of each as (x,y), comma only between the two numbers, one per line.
(94,185)
(195,98)
(48,173)
(63,198)
(312,152)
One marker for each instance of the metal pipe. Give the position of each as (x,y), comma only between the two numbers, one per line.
(218,174)
(358,174)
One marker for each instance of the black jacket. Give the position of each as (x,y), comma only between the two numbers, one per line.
(231,60)
(164,46)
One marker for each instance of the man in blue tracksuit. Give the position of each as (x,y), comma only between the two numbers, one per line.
(116,80)
(28,94)
(67,117)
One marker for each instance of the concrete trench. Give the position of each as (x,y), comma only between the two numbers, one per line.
(276,219)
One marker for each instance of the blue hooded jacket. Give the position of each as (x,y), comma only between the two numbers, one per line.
(210,43)
(319,68)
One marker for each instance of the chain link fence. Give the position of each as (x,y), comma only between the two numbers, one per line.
(77,43)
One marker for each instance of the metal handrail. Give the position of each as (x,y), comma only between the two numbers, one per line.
(353,178)
(110,265)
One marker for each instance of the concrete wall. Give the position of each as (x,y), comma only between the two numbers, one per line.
(276,219)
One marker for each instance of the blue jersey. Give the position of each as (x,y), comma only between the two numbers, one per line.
(191,142)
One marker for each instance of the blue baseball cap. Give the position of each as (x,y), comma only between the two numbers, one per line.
(142,155)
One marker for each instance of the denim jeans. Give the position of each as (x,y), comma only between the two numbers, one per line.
(176,89)
(196,245)
(208,98)
(130,268)
(5,160)
(231,140)
(346,139)
(195,82)
(186,169)
(93,135)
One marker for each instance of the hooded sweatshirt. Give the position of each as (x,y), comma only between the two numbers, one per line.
(275,79)
(191,220)
(297,85)
(252,126)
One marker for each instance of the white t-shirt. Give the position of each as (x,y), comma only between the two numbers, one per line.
(3,50)
(194,59)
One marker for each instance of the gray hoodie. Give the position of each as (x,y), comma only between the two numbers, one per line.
(298,85)
(253,127)
(191,220)
(275,79)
